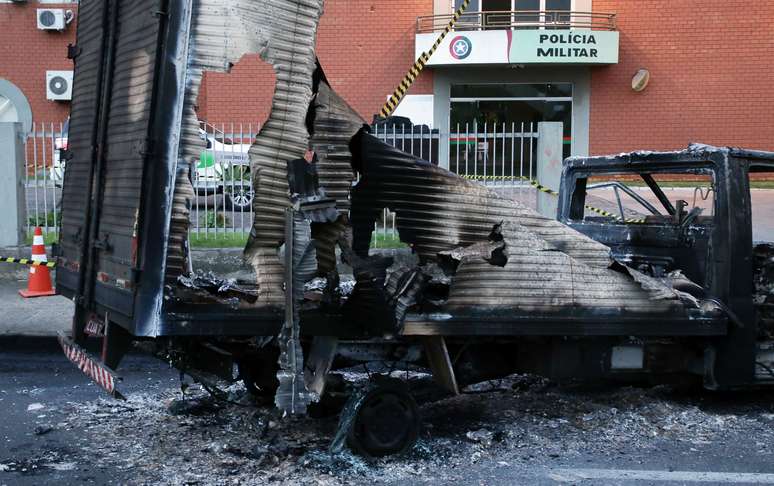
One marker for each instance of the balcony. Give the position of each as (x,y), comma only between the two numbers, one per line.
(521,37)
(535,19)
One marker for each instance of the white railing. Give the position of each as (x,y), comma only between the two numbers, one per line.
(501,155)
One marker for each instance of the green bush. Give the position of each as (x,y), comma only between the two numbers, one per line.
(214,219)
(48,220)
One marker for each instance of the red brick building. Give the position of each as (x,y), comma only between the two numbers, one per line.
(711,70)
(27,54)
(707,61)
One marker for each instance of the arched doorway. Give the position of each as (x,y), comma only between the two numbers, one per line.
(14,106)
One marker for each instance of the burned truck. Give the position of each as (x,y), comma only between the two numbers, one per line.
(490,287)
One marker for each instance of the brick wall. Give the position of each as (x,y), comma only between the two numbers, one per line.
(241,96)
(711,70)
(364,46)
(27,53)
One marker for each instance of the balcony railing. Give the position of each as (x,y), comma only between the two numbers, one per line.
(521,19)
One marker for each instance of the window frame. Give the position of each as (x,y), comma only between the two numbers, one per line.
(580,182)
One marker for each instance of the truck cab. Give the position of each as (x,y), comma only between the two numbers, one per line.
(685,215)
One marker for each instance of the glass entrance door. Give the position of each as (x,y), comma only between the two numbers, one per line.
(489,118)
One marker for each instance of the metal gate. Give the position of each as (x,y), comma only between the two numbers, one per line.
(43,176)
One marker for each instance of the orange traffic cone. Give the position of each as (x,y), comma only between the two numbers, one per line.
(39,282)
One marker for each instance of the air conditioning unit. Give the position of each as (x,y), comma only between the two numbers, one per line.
(59,85)
(51,19)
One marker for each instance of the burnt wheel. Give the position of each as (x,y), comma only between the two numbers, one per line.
(259,373)
(387,421)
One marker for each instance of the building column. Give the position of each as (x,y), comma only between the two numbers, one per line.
(12,184)
(549,166)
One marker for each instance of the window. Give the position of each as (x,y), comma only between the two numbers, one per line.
(662,198)
(543,13)
(504,14)
(476,106)
(528,11)
(557,14)
(762,203)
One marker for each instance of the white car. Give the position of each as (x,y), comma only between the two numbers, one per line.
(224,168)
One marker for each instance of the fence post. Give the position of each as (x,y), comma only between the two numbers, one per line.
(549,165)
(12,184)
(444,130)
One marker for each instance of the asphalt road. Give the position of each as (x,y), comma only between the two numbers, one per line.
(57,428)
(38,388)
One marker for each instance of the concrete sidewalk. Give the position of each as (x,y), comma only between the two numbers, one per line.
(47,316)
(41,316)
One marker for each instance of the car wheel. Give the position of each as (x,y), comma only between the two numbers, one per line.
(239,199)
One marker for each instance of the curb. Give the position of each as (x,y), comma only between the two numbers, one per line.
(19,343)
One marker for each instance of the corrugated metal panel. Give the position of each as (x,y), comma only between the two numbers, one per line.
(221,32)
(177,249)
(83,116)
(291,42)
(550,268)
(437,210)
(335,122)
(284,33)
(126,146)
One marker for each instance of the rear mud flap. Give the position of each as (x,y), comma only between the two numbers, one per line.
(91,367)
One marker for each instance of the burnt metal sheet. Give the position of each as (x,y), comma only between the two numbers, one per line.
(84,108)
(436,210)
(300,264)
(291,31)
(126,146)
(178,254)
(549,269)
(332,123)
(335,123)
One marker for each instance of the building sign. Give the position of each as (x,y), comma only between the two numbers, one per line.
(460,47)
(468,47)
(522,47)
(562,46)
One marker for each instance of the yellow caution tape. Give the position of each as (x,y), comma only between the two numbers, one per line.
(546,190)
(413,72)
(27,261)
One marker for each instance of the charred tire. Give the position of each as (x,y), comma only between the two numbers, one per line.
(387,421)
(259,373)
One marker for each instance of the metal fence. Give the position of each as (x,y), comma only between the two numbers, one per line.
(222,182)
(499,155)
(496,154)
(43,175)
